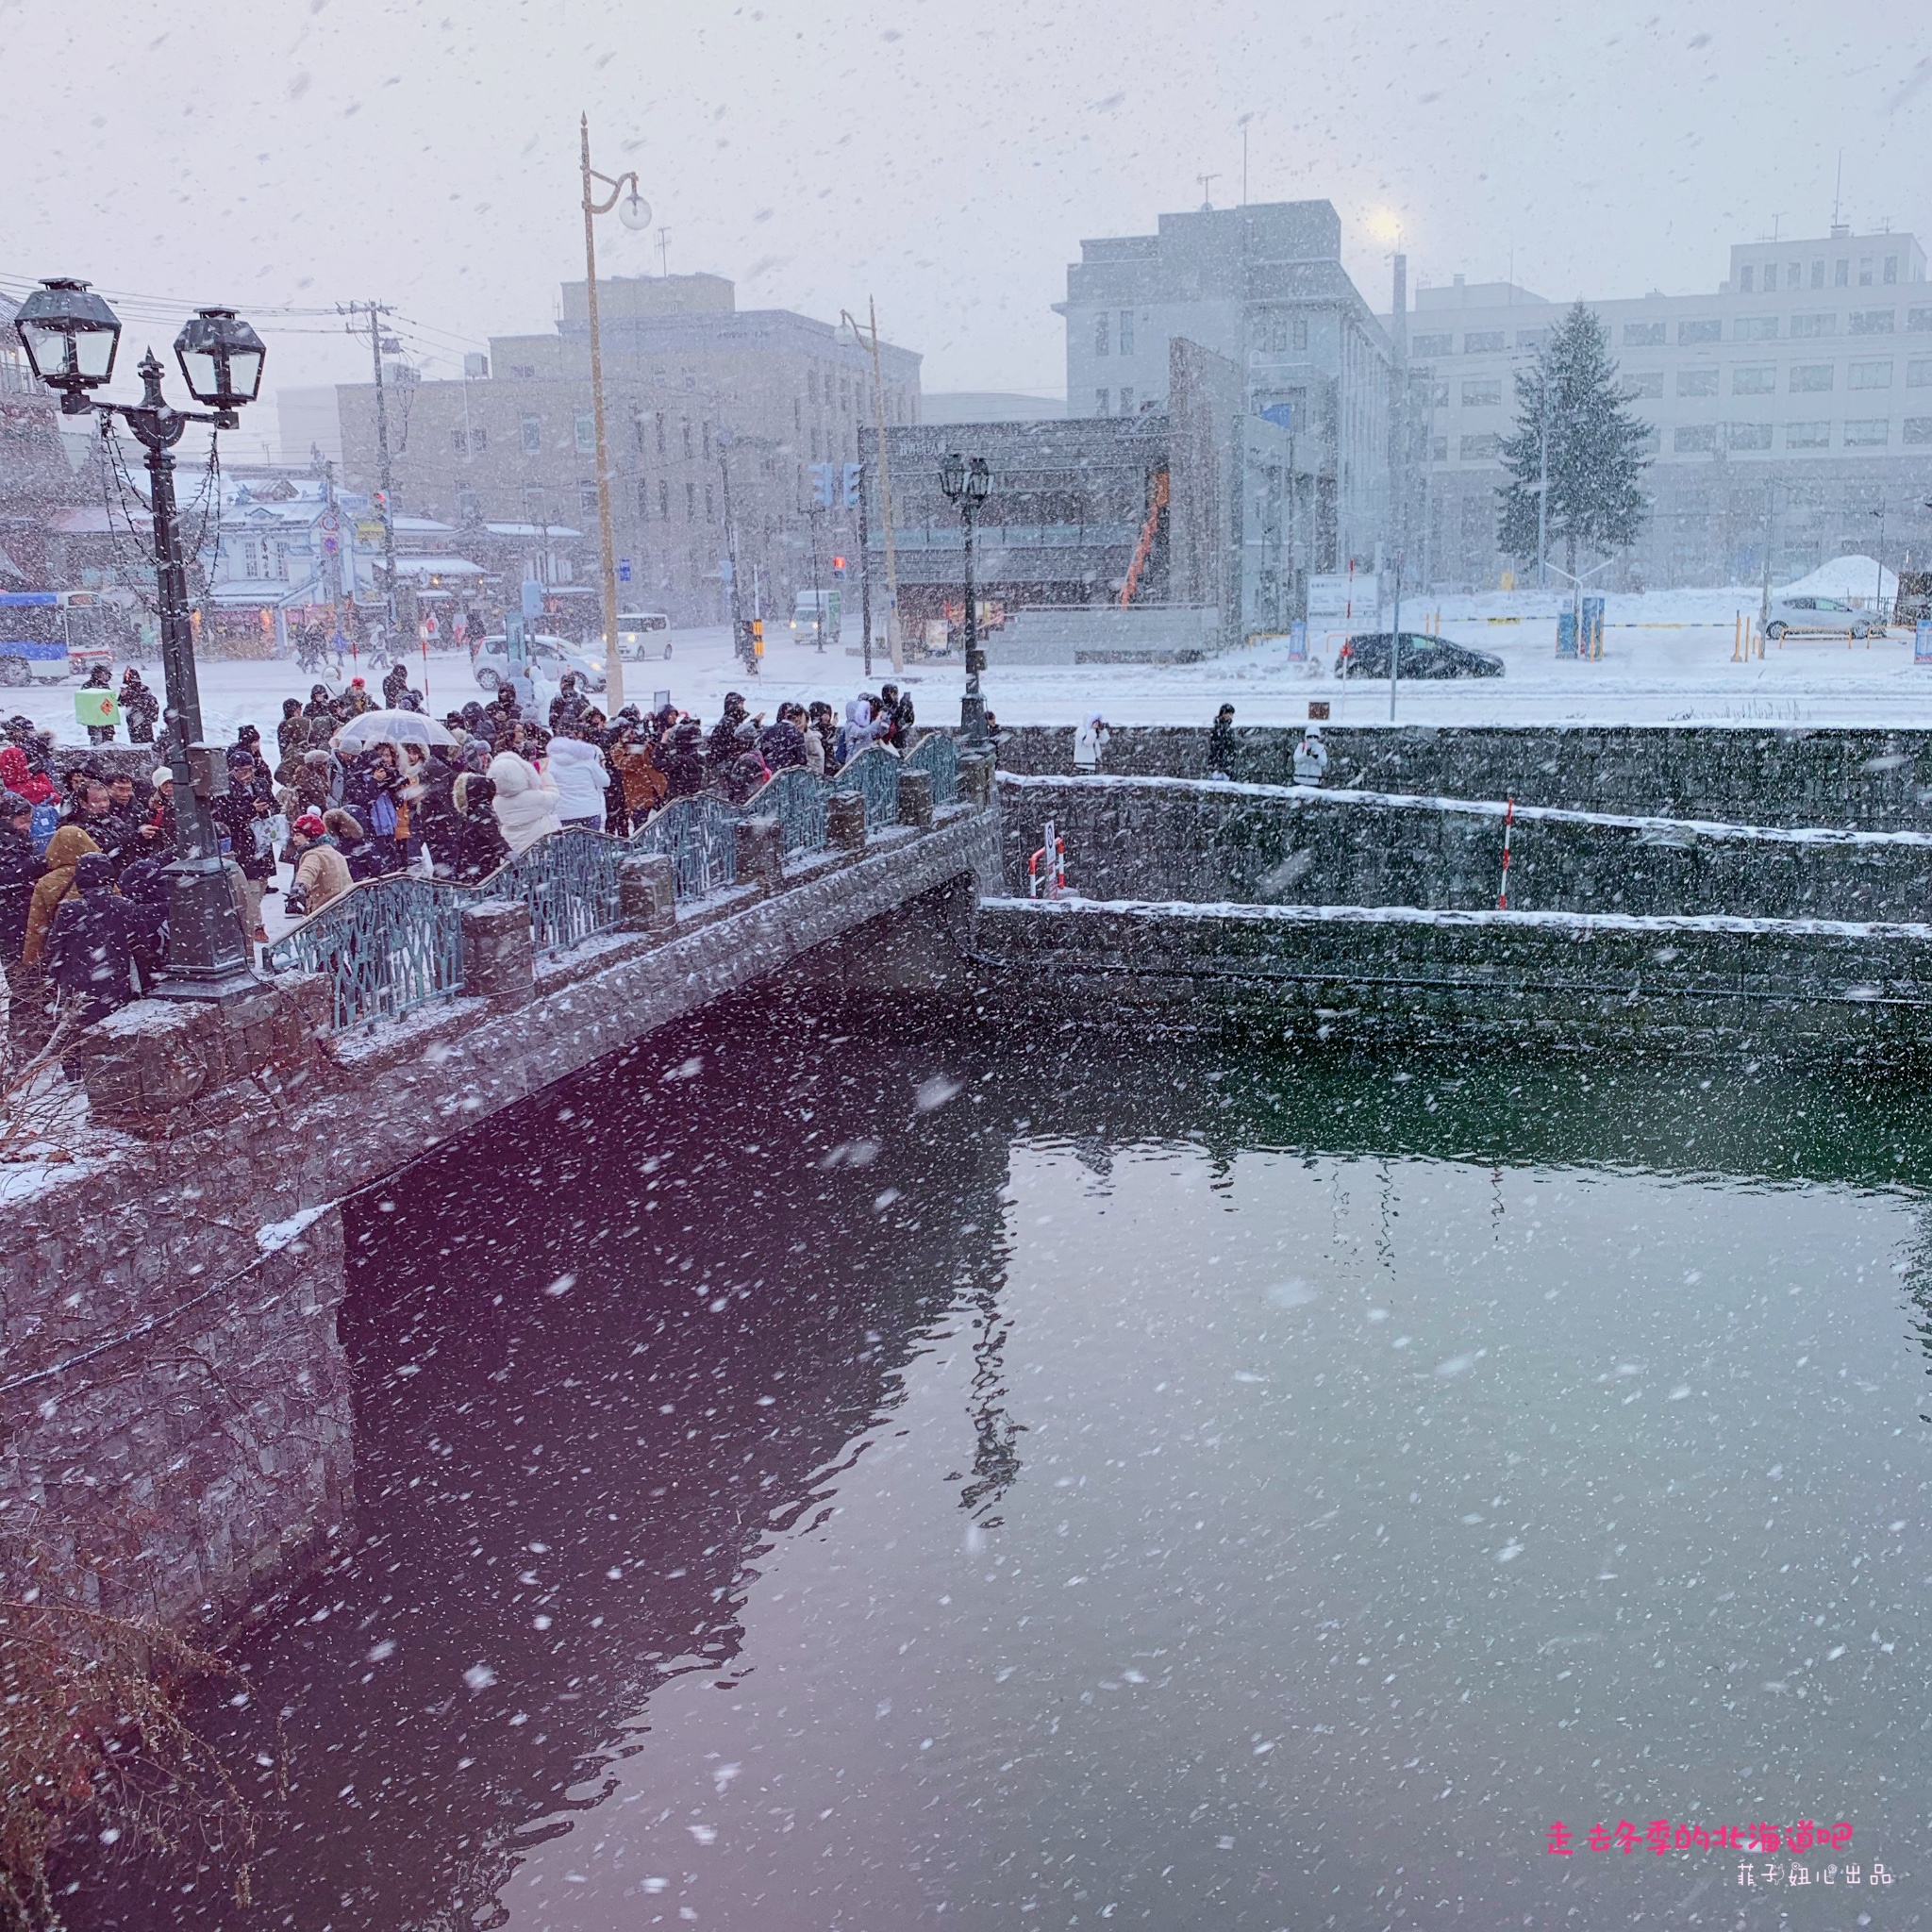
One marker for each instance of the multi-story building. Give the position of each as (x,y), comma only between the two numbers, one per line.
(1264,288)
(704,405)
(1794,400)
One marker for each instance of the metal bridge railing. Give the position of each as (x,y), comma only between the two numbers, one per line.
(394,943)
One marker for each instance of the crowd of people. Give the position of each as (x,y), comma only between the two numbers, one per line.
(83,903)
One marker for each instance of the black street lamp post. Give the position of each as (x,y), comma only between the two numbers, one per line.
(70,335)
(969,486)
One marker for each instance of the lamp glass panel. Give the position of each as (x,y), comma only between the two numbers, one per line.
(94,352)
(244,373)
(46,349)
(203,376)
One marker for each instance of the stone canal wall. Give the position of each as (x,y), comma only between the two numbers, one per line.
(1207,842)
(175,1419)
(1533,980)
(1746,774)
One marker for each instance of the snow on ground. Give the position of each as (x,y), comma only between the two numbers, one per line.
(1667,659)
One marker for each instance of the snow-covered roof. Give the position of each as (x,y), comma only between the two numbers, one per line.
(1855,578)
(422,527)
(531,530)
(438,567)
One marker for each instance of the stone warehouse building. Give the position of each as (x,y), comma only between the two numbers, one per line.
(699,397)
(1794,399)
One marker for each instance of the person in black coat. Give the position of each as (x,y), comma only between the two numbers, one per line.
(91,947)
(20,870)
(783,743)
(138,706)
(684,763)
(1224,748)
(144,892)
(722,747)
(481,846)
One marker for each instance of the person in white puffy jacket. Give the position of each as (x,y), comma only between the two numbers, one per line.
(578,770)
(527,800)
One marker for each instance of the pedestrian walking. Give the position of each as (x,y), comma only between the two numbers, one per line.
(1222,744)
(140,707)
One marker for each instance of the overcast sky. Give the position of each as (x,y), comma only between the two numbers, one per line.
(944,156)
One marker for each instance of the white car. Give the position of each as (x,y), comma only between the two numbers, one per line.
(1820,617)
(642,634)
(552,656)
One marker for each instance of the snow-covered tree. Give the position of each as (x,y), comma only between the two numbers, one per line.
(1596,448)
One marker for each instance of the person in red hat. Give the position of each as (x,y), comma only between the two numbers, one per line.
(322,873)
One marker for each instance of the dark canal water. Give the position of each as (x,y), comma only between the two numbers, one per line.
(817,1476)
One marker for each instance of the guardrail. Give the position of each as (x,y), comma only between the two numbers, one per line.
(394,943)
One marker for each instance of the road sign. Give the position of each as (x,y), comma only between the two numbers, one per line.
(624,569)
(532,598)
(1280,414)
(328,522)
(724,570)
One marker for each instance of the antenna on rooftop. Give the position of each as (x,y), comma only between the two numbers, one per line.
(1206,182)
(1837,187)
(664,252)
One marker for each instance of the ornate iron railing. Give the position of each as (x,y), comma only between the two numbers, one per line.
(797,801)
(387,945)
(874,774)
(939,754)
(394,943)
(701,836)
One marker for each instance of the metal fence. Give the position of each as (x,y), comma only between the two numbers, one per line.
(394,943)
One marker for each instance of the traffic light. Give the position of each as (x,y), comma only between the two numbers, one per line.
(821,484)
(854,475)
(839,567)
(758,637)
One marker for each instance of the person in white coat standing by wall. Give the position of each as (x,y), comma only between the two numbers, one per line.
(1090,741)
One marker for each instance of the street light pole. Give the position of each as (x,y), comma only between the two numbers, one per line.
(871,337)
(969,487)
(635,213)
(70,335)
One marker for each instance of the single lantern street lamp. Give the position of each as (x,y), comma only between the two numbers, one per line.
(71,337)
(969,484)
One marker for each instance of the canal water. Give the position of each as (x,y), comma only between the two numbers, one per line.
(819,1473)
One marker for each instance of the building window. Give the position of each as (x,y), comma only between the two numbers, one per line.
(811,386)
(534,511)
(1126,331)
(1807,435)
(1701,436)
(1650,383)
(660,432)
(690,503)
(1760,380)
(1868,376)
(1484,394)
(687,452)
(1100,402)
(707,433)
(527,371)
(813,445)
(1808,377)
(1809,327)
(1103,326)
(1816,276)
(663,501)
(1919,373)
(1917,429)
(1439,449)
(1432,345)
(1841,272)
(1127,398)
(1746,280)
(1531,338)
(1873,321)
(1438,395)
(587,497)
(1864,272)
(459,442)
(1918,321)
(1794,275)
(710,512)
(533,436)
(1697,382)
(1757,328)
(1643,335)
(587,431)
(1480,449)
(479,439)
(1750,436)
(1700,331)
(1651,442)
(466,506)
(1482,341)
(643,494)
(1865,432)
(1891,268)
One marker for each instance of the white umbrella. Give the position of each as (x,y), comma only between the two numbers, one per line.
(392,727)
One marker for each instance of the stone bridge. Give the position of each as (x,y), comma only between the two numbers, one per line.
(175,1418)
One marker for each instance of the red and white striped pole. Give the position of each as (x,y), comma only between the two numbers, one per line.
(1508,825)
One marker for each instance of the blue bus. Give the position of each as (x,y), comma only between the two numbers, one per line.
(46,636)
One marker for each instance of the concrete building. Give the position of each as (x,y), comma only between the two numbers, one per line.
(1262,287)
(1794,398)
(701,398)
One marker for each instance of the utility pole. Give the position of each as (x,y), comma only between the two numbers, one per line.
(1770,525)
(1543,496)
(864,574)
(375,312)
(871,337)
(741,643)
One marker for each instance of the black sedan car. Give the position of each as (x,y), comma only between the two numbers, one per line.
(1367,655)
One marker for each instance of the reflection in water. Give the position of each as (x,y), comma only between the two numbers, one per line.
(1137,1482)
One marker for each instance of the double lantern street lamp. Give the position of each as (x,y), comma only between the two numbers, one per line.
(71,337)
(969,485)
